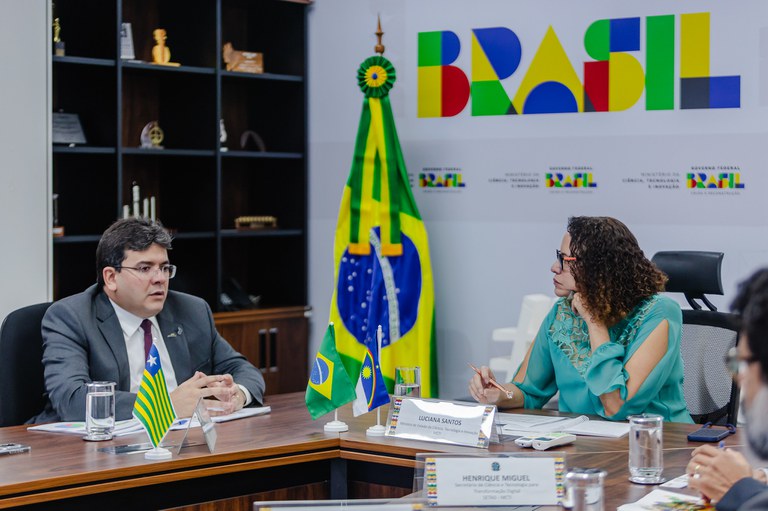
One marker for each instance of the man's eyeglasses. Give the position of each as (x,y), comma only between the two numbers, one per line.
(736,364)
(562,259)
(146,271)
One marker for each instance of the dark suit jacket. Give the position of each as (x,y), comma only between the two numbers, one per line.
(746,495)
(83,342)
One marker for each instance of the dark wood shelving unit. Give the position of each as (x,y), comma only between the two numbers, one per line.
(200,186)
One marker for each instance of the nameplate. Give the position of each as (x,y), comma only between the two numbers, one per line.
(493,481)
(449,422)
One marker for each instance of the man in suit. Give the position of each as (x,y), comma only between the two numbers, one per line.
(105,332)
(725,475)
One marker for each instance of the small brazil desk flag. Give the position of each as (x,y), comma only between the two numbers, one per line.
(383,273)
(153,407)
(329,385)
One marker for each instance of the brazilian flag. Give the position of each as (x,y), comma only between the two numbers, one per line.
(329,385)
(383,273)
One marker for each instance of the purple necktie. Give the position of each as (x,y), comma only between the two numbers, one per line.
(146,325)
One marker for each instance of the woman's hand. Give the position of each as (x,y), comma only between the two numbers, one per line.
(714,471)
(482,391)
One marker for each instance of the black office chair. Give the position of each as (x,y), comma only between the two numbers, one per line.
(22,388)
(710,392)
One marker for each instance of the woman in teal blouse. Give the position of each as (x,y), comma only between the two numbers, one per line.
(611,343)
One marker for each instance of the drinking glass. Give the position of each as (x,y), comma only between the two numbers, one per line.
(408,381)
(100,410)
(584,489)
(646,462)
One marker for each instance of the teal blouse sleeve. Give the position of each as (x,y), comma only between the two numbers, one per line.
(539,384)
(607,372)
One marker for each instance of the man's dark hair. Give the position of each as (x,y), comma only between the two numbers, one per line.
(751,303)
(136,234)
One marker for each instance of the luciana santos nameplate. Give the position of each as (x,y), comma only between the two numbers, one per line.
(450,422)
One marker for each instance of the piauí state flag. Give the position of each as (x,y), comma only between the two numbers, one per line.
(371,391)
(329,384)
(153,407)
(383,274)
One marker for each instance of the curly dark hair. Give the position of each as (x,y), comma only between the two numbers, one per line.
(611,271)
(751,303)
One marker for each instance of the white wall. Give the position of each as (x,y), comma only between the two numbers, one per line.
(25,42)
(490,246)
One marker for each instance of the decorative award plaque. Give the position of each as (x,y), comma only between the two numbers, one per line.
(243,61)
(66,129)
(126,42)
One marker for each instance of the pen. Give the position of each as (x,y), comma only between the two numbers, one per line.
(493,382)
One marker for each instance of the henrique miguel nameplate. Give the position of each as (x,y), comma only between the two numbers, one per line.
(449,422)
(502,480)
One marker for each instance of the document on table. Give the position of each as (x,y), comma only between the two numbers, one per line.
(240,414)
(522,425)
(122,428)
(131,426)
(662,499)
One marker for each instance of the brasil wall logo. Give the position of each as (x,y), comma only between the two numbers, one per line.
(615,80)
(441,178)
(721,180)
(574,180)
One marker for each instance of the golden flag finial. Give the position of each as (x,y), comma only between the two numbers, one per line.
(379,48)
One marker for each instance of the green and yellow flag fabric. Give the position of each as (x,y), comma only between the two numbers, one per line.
(383,274)
(329,385)
(153,407)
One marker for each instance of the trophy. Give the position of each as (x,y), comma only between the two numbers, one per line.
(152,136)
(222,136)
(244,61)
(58,44)
(161,54)
(58,230)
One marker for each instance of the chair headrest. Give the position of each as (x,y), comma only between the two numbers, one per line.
(691,272)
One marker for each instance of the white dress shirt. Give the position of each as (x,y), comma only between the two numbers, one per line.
(134,344)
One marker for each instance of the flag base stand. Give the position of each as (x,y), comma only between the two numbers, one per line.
(335,427)
(158,453)
(377,430)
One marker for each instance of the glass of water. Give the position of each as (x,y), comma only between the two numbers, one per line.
(584,489)
(100,410)
(408,381)
(646,444)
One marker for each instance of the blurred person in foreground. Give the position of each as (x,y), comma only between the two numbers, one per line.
(725,476)
(611,343)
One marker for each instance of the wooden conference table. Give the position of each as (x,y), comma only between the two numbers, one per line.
(283,455)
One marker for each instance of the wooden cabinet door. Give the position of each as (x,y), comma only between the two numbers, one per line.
(274,340)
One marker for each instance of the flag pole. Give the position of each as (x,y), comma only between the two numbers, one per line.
(378,429)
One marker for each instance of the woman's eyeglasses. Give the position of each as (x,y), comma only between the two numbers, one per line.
(562,259)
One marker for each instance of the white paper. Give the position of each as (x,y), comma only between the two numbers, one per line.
(122,428)
(240,414)
(524,425)
(656,498)
(491,481)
